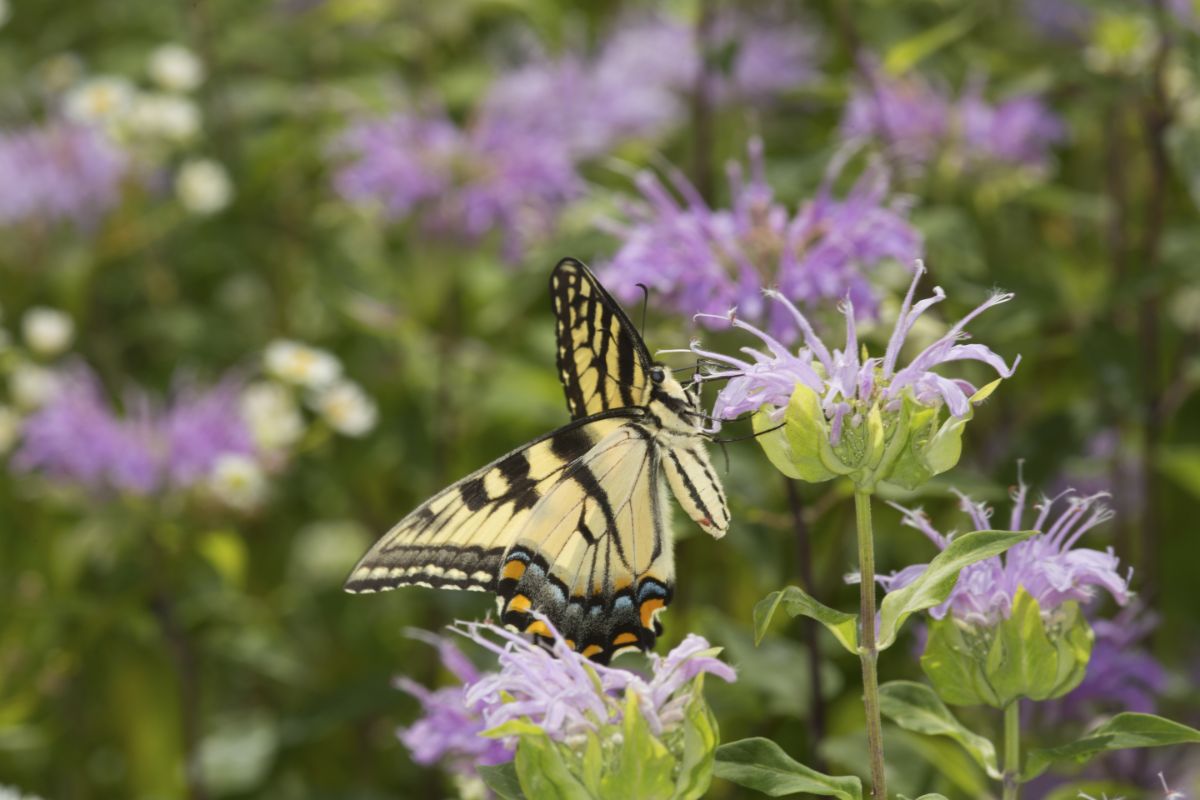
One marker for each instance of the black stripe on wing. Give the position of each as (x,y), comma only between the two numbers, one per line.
(602,361)
(436,543)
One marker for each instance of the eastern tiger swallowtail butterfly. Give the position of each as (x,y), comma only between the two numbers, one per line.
(576,524)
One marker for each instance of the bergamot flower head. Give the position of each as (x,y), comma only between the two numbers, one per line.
(842,412)
(1013,626)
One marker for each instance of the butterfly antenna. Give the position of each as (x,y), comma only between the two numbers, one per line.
(645,302)
(749,436)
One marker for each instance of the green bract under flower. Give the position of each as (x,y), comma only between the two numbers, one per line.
(827,413)
(1028,655)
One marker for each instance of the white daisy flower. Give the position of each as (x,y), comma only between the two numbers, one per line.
(347,408)
(299,364)
(176,68)
(203,186)
(156,115)
(271,414)
(238,481)
(102,99)
(47,331)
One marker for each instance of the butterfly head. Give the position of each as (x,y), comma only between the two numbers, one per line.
(677,407)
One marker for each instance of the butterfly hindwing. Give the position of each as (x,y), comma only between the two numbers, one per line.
(602,361)
(457,538)
(595,557)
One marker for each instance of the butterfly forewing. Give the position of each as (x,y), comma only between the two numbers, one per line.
(457,538)
(602,361)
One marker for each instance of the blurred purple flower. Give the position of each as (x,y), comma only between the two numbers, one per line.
(567,695)
(630,89)
(450,728)
(846,387)
(401,161)
(493,177)
(704,260)
(772,55)
(907,114)
(77,437)
(1048,566)
(1018,131)
(58,172)
(919,123)
(634,86)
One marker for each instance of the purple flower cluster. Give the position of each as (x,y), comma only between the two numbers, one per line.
(565,694)
(552,686)
(58,172)
(846,386)
(467,183)
(920,123)
(704,260)
(77,437)
(450,728)
(1048,566)
(630,89)
(633,86)
(514,166)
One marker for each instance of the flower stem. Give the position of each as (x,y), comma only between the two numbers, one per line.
(867,651)
(1012,750)
(812,644)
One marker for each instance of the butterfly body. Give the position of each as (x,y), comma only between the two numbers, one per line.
(576,524)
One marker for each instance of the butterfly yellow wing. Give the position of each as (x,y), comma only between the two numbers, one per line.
(602,361)
(574,525)
(457,538)
(595,555)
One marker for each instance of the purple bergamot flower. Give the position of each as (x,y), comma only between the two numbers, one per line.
(701,260)
(846,384)
(79,438)
(58,172)
(490,178)
(1048,566)
(919,124)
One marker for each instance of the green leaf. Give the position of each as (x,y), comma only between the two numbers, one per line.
(226,552)
(514,727)
(905,55)
(542,773)
(774,442)
(917,708)
(645,767)
(800,449)
(797,602)
(1122,732)
(938,579)
(1024,662)
(954,665)
(502,780)
(904,463)
(761,765)
(1021,662)
(700,737)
